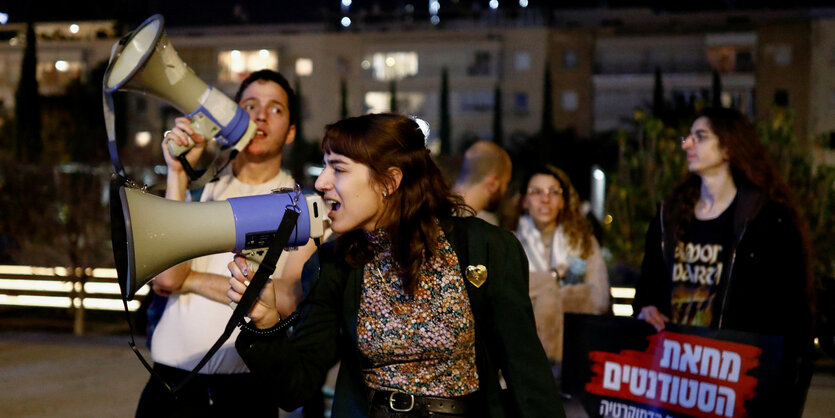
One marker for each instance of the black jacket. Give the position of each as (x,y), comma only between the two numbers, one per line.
(505,332)
(765,291)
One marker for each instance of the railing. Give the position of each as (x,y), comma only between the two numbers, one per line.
(622,300)
(78,289)
(81,289)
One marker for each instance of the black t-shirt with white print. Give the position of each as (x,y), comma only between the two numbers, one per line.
(701,267)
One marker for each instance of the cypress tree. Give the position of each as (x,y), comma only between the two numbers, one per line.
(393,96)
(27,104)
(343,95)
(444,132)
(547,129)
(298,110)
(498,128)
(716,90)
(658,94)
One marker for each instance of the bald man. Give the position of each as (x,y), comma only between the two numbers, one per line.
(482,181)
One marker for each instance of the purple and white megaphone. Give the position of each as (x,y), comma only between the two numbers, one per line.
(151,234)
(148,63)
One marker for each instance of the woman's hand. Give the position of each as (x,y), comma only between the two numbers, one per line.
(180,133)
(264,313)
(653,317)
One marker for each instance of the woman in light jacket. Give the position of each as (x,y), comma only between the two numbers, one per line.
(567,272)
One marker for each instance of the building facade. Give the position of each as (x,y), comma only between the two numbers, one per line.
(602,67)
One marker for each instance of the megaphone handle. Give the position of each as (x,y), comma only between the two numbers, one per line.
(202,125)
(178,150)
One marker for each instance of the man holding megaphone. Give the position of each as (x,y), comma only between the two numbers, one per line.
(197,308)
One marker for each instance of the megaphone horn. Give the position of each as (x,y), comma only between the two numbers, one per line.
(149,64)
(151,234)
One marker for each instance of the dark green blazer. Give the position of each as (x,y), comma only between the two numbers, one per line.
(506,340)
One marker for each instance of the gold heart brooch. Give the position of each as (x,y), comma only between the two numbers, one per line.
(477,275)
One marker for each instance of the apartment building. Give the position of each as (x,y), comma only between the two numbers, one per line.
(602,66)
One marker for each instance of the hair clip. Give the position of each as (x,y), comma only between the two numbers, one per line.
(424,128)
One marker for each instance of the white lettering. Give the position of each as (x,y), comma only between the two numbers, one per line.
(674,390)
(638,384)
(688,392)
(710,359)
(611,376)
(707,397)
(665,386)
(690,359)
(653,379)
(731,399)
(731,363)
(672,352)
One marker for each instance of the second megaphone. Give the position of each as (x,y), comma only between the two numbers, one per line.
(149,64)
(151,234)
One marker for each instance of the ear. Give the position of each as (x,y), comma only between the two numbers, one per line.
(395,176)
(291,135)
(492,183)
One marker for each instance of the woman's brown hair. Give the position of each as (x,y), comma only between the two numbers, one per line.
(382,142)
(574,224)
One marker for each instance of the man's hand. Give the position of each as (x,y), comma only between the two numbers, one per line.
(180,134)
(653,317)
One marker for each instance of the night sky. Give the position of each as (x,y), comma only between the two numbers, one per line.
(179,12)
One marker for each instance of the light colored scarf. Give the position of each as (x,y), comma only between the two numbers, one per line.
(531,240)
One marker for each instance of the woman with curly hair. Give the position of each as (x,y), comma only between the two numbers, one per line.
(729,250)
(567,272)
(425,311)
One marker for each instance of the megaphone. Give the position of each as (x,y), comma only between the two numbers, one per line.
(151,234)
(149,64)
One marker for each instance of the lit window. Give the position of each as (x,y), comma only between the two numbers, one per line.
(522,62)
(392,65)
(54,75)
(410,103)
(570,100)
(480,64)
(304,67)
(782,55)
(520,103)
(236,65)
(477,101)
(570,59)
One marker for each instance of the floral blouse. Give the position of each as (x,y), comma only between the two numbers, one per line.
(423,344)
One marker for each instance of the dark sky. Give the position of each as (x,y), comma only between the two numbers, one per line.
(180,12)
